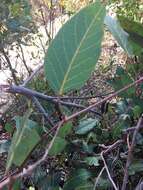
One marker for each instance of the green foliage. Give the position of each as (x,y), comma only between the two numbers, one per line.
(79,179)
(24,140)
(103,184)
(44,180)
(119,34)
(69,61)
(60,142)
(132,9)
(121,79)
(65,130)
(65,58)
(136,166)
(15,21)
(58,145)
(86,125)
(4,146)
(135,31)
(92,161)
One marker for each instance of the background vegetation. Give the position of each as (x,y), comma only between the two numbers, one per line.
(76,121)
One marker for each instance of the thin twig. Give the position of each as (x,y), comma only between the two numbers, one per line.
(42,110)
(45,25)
(130,153)
(28,92)
(108,173)
(16,175)
(32,75)
(84,97)
(23,59)
(35,100)
(113,146)
(32,93)
(106,98)
(98,177)
(26,171)
(9,65)
(65,120)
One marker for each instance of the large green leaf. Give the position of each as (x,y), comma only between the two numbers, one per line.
(24,140)
(119,34)
(75,50)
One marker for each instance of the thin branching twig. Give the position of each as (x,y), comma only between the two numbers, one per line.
(98,177)
(130,153)
(108,173)
(26,171)
(56,128)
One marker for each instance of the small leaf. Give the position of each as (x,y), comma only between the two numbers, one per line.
(120,80)
(58,146)
(87,148)
(121,107)
(9,128)
(15,9)
(4,146)
(73,53)
(137,111)
(65,130)
(118,129)
(86,125)
(92,161)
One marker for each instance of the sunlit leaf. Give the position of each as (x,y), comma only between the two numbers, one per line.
(75,50)
(92,161)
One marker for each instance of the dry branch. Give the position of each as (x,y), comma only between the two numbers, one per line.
(30,168)
(130,153)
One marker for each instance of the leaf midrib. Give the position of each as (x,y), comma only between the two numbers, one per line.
(76,53)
